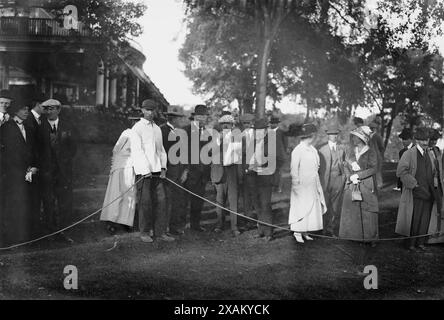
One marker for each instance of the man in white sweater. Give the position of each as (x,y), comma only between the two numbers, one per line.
(152,204)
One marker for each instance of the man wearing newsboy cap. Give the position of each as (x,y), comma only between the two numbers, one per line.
(152,205)
(59,145)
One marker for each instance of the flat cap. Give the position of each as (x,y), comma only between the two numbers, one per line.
(51,103)
(149,104)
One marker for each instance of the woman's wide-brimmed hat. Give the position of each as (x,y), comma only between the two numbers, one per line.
(362,133)
(294,130)
(308,129)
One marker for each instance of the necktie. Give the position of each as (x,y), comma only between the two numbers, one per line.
(22,129)
(53,129)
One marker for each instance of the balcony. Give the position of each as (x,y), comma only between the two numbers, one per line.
(18,28)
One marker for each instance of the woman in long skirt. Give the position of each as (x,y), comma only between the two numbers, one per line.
(128,160)
(307,204)
(359,217)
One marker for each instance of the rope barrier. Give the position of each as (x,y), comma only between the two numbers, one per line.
(437,234)
(288,229)
(72,225)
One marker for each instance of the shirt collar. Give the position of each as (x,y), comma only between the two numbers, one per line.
(146,121)
(36,115)
(332,144)
(410,145)
(170,125)
(420,149)
(18,120)
(52,122)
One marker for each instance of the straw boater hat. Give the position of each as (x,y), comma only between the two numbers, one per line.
(307,130)
(174,111)
(332,129)
(362,133)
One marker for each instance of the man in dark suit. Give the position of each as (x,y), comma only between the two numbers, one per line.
(176,216)
(283,139)
(33,126)
(260,174)
(196,174)
(407,141)
(19,167)
(59,148)
(332,176)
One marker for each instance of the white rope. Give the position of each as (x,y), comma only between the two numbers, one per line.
(72,225)
(288,229)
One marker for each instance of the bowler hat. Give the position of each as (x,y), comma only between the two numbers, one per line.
(149,104)
(294,130)
(358,120)
(373,125)
(274,120)
(246,117)
(307,130)
(434,134)
(333,129)
(18,104)
(4,93)
(261,123)
(38,96)
(422,133)
(406,134)
(174,111)
(200,110)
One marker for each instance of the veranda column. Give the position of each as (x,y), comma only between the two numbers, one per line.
(124,83)
(100,83)
(113,87)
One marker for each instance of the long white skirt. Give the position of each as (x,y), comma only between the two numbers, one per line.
(122,210)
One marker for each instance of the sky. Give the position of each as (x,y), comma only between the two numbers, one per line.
(163,36)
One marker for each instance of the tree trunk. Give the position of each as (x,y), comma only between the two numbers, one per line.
(261,81)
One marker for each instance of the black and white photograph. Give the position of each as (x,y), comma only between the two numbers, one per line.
(221,155)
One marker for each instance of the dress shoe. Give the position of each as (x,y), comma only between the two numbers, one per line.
(298,237)
(307,237)
(146,238)
(176,232)
(166,238)
(198,229)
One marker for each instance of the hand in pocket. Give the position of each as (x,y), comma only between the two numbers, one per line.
(420,192)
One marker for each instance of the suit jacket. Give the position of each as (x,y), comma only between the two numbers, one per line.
(326,162)
(197,171)
(58,157)
(17,156)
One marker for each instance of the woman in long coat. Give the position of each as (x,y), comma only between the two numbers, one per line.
(127,161)
(307,204)
(359,219)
